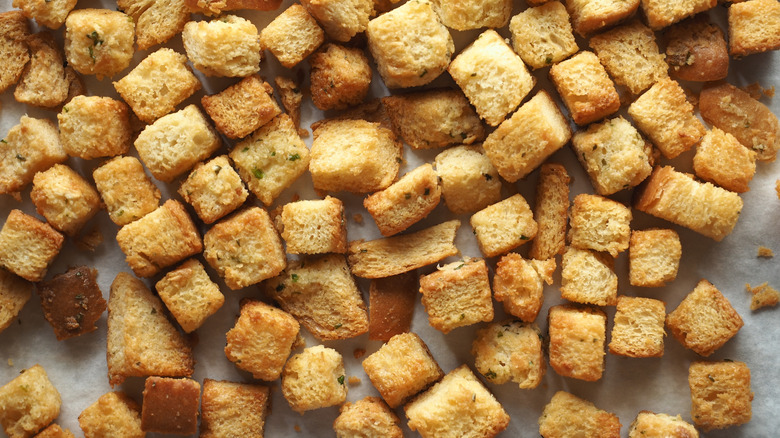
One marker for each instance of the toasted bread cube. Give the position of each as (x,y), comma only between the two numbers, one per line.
(600,224)
(341,20)
(72,302)
(28,403)
(242,108)
(665,115)
(44,81)
(14,31)
(227,46)
(660,13)
(51,14)
(469,182)
(654,257)
(651,425)
(321,293)
(588,277)
(64,198)
(14,294)
(113,414)
(233,409)
(568,415)
(585,88)
(721,159)
(510,350)
(524,141)
(28,246)
(190,295)
(704,320)
(457,406)
(577,336)
(94,126)
(678,198)
(245,248)
(292,36)
(314,379)
(639,328)
(99,41)
(720,394)
(457,295)
(216,7)
(542,35)
(368,417)
(754,27)
(492,77)
(141,339)
(262,339)
(214,189)
(410,45)
(391,305)
(518,284)
(551,211)
(340,77)
(155,21)
(170,406)
(126,190)
(405,202)
(696,50)
(401,368)
(473,14)
(55,431)
(30,147)
(590,16)
(504,225)
(314,226)
(156,85)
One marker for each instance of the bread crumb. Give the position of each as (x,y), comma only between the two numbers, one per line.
(354,380)
(765,252)
(10,362)
(90,240)
(359,352)
(297,428)
(358,218)
(763,296)
(777,188)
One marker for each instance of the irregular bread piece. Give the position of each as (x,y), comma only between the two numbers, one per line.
(44,82)
(72,302)
(469,182)
(28,403)
(567,415)
(754,27)
(577,336)
(126,190)
(242,108)
(189,294)
(651,425)
(391,303)
(170,406)
(14,31)
(314,226)
(519,284)
(113,414)
(696,50)
(368,417)
(14,294)
(639,327)
(64,198)
(233,409)
(551,211)
(228,46)
(156,21)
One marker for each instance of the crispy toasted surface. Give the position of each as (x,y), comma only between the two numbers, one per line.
(113,414)
(651,425)
(64,198)
(542,35)
(54,431)
(588,277)
(589,16)
(14,294)
(216,7)
(341,20)
(585,88)
(504,225)
(754,27)
(654,257)
(551,211)
(391,302)
(720,394)
(72,302)
(519,284)
(14,31)
(232,409)
(639,327)
(369,417)
(469,182)
(31,146)
(228,46)
(44,82)
(764,295)
(189,294)
(599,224)
(510,350)
(51,14)
(314,379)
(242,108)
(94,126)
(170,406)
(292,36)
(722,160)
(314,226)
(661,14)
(577,336)
(28,403)
(567,415)
(340,77)
(156,21)
(99,41)
(214,189)
(696,50)
(291,96)
(126,190)
(28,246)
(473,14)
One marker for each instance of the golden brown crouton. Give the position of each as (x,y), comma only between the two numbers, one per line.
(504,225)
(577,336)
(639,327)
(292,36)
(55,431)
(661,13)
(64,198)
(126,190)
(763,296)
(510,350)
(589,16)
(225,46)
(654,257)
(567,415)
(242,108)
(170,406)
(473,14)
(754,27)
(542,35)
(585,88)
(588,277)
(30,147)
(391,303)
(216,7)
(233,409)
(314,226)
(340,77)
(551,211)
(518,283)
(189,294)
(721,159)
(44,82)
(14,294)
(214,189)
(600,224)
(405,202)
(113,414)
(14,31)
(72,302)
(314,379)
(651,425)
(696,50)
(720,394)
(469,182)
(99,41)
(291,96)
(156,21)
(94,126)
(28,403)
(51,14)
(340,19)
(28,246)
(369,417)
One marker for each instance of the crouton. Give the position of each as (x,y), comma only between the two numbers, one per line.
(113,414)
(233,409)
(469,182)
(341,20)
(651,425)
(510,350)
(94,126)
(14,31)
(126,190)
(54,431)
(292,36)
(314,379)
(242,108)
(368,417)
(405,202)
(156,21)
(189,294)
(654,257)
(600,224)
(551,211)
(44,81)
(763,251)
(99,41)
(696,50)
(577,336)
(170,406)
(473,14)
(214,189)
(30,147)
(28,403)
(721,159)
(51,14)
(585,88)
(291,95)
(754,27)
(590,16)
(518,284)
(588,277)
(457,295)
(391,303)
(72,302)
(14,294)
(763,296)
(639,328)
(504,225)
(568,415)
(542,35)
(216,7)
(340,77)
(314,226)
(28,246)
(227,46)
(64,198)
(661,14)
(720,394)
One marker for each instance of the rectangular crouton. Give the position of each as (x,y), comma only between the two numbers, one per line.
(551,211)
(94,126)
(722,160)
(590,16)
(341,20)
(754,27)
(720,394)
(340,77)
(568,415)
(510,350)
(314,226)
(542,35)
(504,225)
(214,189)
(112,413)
(654,257)
(651,425)
(15,292)
(639,327)
(233,409)
(577,336)
(519,284)
(661,13)
(292,36)
(51,14)
(391,303)
(314,379)
(242,108)
(72,302)
(369,417)
(28,403)
(28,246)
(585,88)
(14,30)
(64,198)
(156,21)
(600,224)
(30,147)
(469,182)
(126,190)
(189,294)
(170,406)
(473,14)
(227,46)
(588,277)
(45,81)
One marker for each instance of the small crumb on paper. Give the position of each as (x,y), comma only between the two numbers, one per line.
(10,362)
(358,218)
(765,252)
(763,296)
(359,352)
(354,380)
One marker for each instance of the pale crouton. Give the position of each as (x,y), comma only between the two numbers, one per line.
(661,13)
(95,126)
(369,417)
(577,336)
(292,36)
(765,252)
(524,141)
(126,190)
(391,303)
(457,295)
(492,76)
(589,16)
(721,159)
(504,225)
(31,146)
(518,284)
(291,96)
(542,35)
(64,198)
(340,77)
(551,211)
(155,86)
(410,45)
(233,409)
(639,327)
(405,202)
(28,403)
(473,14)
(170,406)
(216,7)
(696,50)
(14,294)
(314,379)
(469,182)
(314,226)
(99,41)
(113,414)
(678,198)
(664,114)
(14,31)
(242,108)
(214,189)
(51,14)
(72,302)
(401,368)
(651,425)
(600,224)
(654,257)
(457,406)
(704,320)
(754,27)
(28,246)
(588,277)
(720,394)
(585,88)
(55,431)
(271,159)
(189,294)
(156,21)
(44,81)
(227,46)
(510,350)
(763,296)
(569,416)
(321,293)
(341,20)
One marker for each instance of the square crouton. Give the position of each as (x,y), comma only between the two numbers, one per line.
(233,409)
(30,147)
(492,76)
(175,142)
(64,198)
(369,417)
(577,336)
(15,30)
(341,20)
(504,225)
(542,35)
(113,414)
(242,108)
(585,88)
(321,293)
(262,339)
(473,14)
(510,350)
(588,277)
(401,368)
(469,182)
(664,114)
(292,36)
(189,294)
(157,84)
(72,302)
(354,155)
(340,77)
(157,21)
(614,154)
(94,126)
(314,379)
(457,406)
(704,320)
(214,189)
(600,224)
(754,27)
(271,159)
(126,190)
(391,302)
(227,46)
(314,226)
(216,7)
(696,50)
(405,202)
(654,257)
(551,211)
(28,403)
(160,239)
(99,41)
(519,284)
(661,13)
(651,425)
(589,16)
(28,246)
(170,406)
(55,431)
(245,248)
(410,45)
(51,14)
(14,294)
(720,394)
(457,295)
(568,415)
(46,79)
(639,328)
(524,141)
(720,158)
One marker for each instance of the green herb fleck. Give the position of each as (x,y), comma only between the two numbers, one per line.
(523,237)
(20,158)
(490,374)
(258,173)
(337,326)
(79,274)
(294,278)
(747,124)
(79,297)
(95,37)
(273,153)
(66,109)
(459,266)
(92,54)
(280,287)
(3,141)
(79,317)
(120,213)
(294,157)
(341,379)
(712,379)
(548,60)
(424,72)
(363,251)
(488,177)
(246,148)
(500,335)
(462,316)
(473,74)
